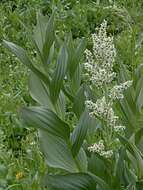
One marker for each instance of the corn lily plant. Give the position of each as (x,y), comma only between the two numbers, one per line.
(100,147)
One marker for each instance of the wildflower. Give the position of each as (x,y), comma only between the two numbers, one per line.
(89,57)
(100,73)
(97,147)
(100,77)
(119,128)
(103,47)
(117,91)
(19,175)
(100,149)
(100,70)
(107,154)
(103,110)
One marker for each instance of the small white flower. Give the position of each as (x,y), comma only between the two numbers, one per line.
(107,154)
(88,67)
(117,91)
(103,110)
(89,57)
(97,147)
(100,149)
(100,70)
(119,128)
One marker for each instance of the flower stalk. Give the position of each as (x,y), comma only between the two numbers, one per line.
(99,70)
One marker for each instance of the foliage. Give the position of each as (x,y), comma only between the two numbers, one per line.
(59,78)
(17,145)
(59,92)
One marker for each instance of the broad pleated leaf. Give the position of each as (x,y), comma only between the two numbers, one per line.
(82,160)
(97,166)
(57,152)
(49,38)
(139,185)
(79,132)
(23,57)
(51,54)
(39,91)
(40,31)
(129,114)
(128,106)
(76,56)
(74,82)
(59,74)
(139,94)
(60,105)
(43,118)
(79,102)
(76,79)
(44,36)
(135,153)
(100,182)
(79,181)
(119,168)
(138,72)
(138,139)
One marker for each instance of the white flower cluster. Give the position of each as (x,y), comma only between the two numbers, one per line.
(89,57)
(117,91)
(102,77)
(103,48)
(100,71)
(103,110)
(100,149)
(119,128)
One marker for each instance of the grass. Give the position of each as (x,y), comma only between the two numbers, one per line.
(18,146)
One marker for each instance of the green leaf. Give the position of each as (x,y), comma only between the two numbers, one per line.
(39,91)
(139,94)
(51,54)
(97,166)
(138,72)
(100,182)
(49,38)
(40,31)
(76,79)
(129,114)
(81,160)
(59,74)
(119,167)
(130,186)
(128,108)
(23,57)
(79,102)
(129,176)
(139,185)
(75,82)
(60,105)
(57,152)
(138,136)
(76,56)
(135,153)
(76,181)
(79,133)
(43,118)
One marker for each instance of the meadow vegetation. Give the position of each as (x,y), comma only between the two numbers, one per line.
(51,103)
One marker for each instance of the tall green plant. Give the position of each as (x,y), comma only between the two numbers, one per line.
(57,80)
